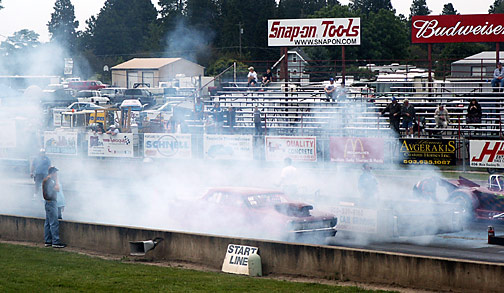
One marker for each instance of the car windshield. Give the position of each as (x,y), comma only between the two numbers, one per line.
(133,92)
(265,200)
(84,94)
(108,91)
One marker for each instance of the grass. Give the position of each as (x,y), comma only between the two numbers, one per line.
(32,269)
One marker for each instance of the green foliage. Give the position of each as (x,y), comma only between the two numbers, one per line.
(419,7)
(224,62)
(497,7)
(28,269)
(448,9)
(366,6)
(62,25)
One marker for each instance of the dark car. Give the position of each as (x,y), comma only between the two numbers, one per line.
(477,201)
(57,97)
(144,96)
(267,213)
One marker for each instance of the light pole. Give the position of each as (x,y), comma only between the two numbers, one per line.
(241,33)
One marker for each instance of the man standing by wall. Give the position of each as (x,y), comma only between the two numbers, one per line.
(408,113)
(39,168)
(50,189)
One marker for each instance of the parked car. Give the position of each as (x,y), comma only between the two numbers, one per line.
(57,97)
(92,97)
(165,111)
(265,211)
(143,95)
(78,106)
(475,200)
(86,85)
(113,93)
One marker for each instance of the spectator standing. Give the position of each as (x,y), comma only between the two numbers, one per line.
(341,93)
(368,185)
(408,113)
(218,117)
(252,77)
(330,90)
(39,168)
(257,121)
(60,202)
(267,78)
(50,188)
(198,109)
(474,112)
(498,78)
(441,116)
(394,110)
(113,130)
(289,178)
(231,118)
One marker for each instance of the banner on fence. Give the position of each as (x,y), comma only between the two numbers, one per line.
(163,145)
(60,143)
(486,153)
(297,148)
(7,134)
(416,151)
(356,149)
(314,32)
(226,147)
(105,145)
(356,219)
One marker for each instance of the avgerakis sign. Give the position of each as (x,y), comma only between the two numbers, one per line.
(314,32)
(457,28)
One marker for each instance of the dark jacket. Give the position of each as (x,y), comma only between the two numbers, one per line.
(48,190)
(474,112)
(393,109)
(410,110)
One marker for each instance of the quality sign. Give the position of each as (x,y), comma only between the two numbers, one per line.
(162,145)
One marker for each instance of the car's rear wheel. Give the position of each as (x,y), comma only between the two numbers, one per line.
(463,204)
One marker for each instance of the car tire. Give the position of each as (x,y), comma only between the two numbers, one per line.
(464,204)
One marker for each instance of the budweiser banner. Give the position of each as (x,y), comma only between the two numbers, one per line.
(356,149)
(297,148)
(416,151)
(314,32)
(458,28)
(486,153)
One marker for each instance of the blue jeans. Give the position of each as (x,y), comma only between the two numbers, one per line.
(51,224)
(496,82)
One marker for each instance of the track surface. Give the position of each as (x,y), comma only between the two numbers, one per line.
(470,244)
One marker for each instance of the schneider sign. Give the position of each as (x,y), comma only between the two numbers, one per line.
(457,28)
(314,32)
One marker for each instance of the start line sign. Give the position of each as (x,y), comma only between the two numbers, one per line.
(236,260)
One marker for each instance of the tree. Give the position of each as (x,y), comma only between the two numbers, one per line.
(448,9)
(419,7)
(122,27)
(367,6)
(497,7)
(62,25)
(15,51)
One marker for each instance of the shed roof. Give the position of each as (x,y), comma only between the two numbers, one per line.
(148,63)
(488,57)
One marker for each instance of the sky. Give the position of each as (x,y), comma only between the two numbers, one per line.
(35,14)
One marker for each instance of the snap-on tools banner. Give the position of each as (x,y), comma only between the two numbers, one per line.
(314,32)
(356,149)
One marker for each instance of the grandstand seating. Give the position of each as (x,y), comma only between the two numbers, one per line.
(304,110)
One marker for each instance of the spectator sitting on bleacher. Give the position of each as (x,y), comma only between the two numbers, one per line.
(394,110)
(498,78)
(198,109)
(408,113)
(341,93)
(252,77)
(474,112)
(441,116)
(267,78)
(330,90)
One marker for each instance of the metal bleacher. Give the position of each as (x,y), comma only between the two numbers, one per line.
(304,110)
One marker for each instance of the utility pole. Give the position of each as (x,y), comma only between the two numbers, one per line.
(241,33)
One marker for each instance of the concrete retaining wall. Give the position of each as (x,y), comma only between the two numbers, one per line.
(277,257)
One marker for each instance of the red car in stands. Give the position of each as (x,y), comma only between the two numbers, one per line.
(269,214)
(86,85)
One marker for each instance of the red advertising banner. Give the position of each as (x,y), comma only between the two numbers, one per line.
(457,28)
(356,149)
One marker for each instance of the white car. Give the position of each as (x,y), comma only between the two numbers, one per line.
(91,96)
(165,111)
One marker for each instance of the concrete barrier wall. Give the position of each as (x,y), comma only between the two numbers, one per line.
(328,262)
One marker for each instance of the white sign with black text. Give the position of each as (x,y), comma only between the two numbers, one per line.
(236,260)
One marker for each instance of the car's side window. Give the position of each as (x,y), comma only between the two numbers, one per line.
(215,197)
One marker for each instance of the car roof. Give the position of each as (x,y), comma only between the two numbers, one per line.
(244,190)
